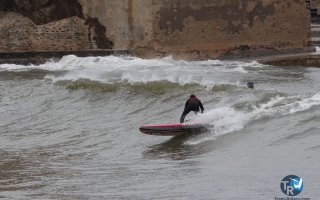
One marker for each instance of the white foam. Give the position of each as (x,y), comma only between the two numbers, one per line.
(305,104)
(227,120)
(136,70)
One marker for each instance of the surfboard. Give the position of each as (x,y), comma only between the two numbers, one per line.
(174,129)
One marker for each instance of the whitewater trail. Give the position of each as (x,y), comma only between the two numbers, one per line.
(228,120)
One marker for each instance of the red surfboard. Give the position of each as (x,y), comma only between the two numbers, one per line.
(174,129)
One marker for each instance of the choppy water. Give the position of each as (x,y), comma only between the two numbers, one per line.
(69,129)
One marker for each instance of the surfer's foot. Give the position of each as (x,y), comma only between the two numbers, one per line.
(182,119)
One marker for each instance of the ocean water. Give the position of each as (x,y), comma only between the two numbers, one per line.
(69,129)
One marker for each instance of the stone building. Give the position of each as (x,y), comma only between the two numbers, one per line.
(193,29)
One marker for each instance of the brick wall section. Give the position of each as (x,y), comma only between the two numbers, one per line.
(12,35)
(18,33)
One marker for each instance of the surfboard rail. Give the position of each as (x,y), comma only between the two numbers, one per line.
(174,129)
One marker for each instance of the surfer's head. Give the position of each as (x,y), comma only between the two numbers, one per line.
(192,96)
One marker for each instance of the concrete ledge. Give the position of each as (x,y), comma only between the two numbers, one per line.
(38,57)
(303,60)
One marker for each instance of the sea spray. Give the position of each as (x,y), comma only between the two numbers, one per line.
(227,120)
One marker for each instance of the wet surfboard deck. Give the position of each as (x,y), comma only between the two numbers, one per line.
(174,129)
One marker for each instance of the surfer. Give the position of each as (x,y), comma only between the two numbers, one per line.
(192,104)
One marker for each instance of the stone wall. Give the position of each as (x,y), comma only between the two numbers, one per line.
(195,29)
(204,28)
(20,33)
(231,28)
(129,23)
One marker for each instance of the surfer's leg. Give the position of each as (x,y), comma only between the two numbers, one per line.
(182,118)
(196,111)
(184,114)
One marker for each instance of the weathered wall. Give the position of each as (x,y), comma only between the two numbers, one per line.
(231,27)
(204,28)
(49,25)
(129,22)
(185,28)
(20,33)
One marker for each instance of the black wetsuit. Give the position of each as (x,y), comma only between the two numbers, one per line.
(193,104)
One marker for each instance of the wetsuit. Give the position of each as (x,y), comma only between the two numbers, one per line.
(193,104)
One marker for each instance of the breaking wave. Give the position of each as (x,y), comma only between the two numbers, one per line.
(113,69)
(230,105)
